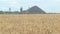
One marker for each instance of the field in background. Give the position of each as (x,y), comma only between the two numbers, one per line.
(30,24)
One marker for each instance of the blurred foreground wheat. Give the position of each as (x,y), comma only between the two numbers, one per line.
(30,24)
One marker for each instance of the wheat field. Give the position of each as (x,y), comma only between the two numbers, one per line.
(30,24)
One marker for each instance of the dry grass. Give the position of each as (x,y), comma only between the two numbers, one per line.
(30,24)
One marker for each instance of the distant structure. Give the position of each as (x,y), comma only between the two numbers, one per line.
(21,9)
(33,10)
(9,9)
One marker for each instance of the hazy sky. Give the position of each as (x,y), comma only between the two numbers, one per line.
(46,5)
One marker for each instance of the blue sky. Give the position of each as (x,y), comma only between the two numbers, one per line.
(47,5)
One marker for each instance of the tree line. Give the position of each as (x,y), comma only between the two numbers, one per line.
(10,11)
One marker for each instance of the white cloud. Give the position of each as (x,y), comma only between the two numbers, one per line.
(5,4)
